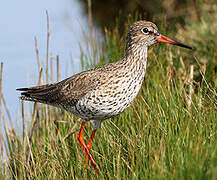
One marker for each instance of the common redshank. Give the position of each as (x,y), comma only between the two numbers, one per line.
(103,92)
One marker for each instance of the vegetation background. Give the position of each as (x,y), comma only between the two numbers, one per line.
(169,132)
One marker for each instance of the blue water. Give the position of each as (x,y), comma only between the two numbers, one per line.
(20,22)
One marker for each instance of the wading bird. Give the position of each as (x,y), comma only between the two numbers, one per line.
(103,92)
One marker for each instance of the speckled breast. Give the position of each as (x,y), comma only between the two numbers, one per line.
(111,98)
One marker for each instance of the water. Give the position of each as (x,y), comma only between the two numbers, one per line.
(20,22)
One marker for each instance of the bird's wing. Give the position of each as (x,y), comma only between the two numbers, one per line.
(66,92)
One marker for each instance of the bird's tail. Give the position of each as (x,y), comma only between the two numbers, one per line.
(43,94)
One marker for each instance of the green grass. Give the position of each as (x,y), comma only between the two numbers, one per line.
(163,135)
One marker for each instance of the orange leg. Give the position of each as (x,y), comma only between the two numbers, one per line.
(89,145)
(84,146)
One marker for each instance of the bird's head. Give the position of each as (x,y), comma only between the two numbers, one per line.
(144,33)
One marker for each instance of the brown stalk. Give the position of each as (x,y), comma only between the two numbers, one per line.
(47,58)
(169,69)
(37,54)
(1,135)
(47,115)
(24,132)
(128,166)
(73,130)
(35,110)
(189,99)
(48,39)
(7,111)
(30,152)
(52,80)
(58,68)
(6,132)
(118,162)
(91,27)
(58,79)
(6,150)
(51,68)
(34,120)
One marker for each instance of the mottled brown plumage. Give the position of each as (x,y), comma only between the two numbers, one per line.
(107,91)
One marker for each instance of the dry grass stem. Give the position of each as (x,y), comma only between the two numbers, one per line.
(37,54)
(24,132)
(191,90)
(35,110)
(58,68)
(1,134)
(51,68)
(48,40)
(91,27)
(7,111)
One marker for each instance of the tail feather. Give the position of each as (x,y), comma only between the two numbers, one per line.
(47,94)
(37,88)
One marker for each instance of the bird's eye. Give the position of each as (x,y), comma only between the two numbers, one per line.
(145,30)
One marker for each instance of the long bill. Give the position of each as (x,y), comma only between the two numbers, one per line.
(165,39)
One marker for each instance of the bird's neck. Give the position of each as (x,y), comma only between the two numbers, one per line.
(136,55)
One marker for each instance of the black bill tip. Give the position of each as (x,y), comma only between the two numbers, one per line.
(183,45)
